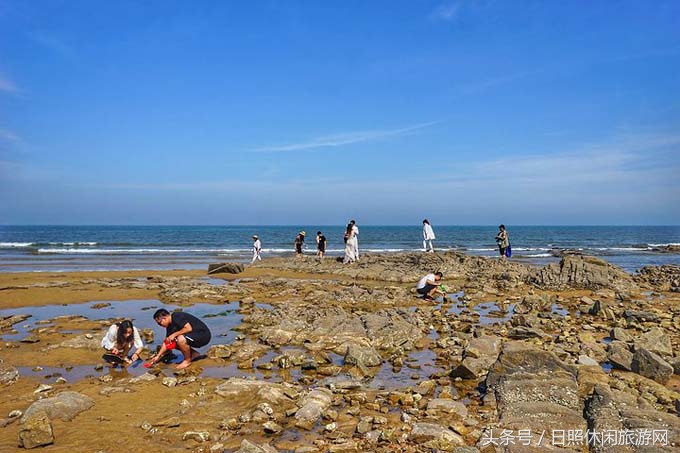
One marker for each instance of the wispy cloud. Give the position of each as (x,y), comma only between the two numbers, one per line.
(7,86)
(446,12)
(346,138)
(624,160)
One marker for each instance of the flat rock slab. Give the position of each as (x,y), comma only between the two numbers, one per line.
(64,406)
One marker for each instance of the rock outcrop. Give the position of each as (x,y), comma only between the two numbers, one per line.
(582,272)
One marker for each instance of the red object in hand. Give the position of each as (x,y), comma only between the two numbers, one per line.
(148,365)
(170,344)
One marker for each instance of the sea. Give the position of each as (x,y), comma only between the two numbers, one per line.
(90,248)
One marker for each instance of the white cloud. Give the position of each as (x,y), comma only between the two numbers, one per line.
(446,12)
(346,138)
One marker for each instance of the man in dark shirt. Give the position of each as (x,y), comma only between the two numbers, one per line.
(182,331)
(320,244)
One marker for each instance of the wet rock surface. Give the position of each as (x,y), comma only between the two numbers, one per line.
(325,357)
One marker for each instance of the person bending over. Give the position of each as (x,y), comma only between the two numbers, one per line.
(429,286)
(183,331)
(120,338)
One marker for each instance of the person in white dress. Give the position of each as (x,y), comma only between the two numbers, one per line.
(428,236)
(257,248)
(351,244)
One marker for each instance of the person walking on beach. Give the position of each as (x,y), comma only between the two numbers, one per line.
(429,286)
(428,236)
(119,340)
(257,248)
(503,242)
(351,243)
(183,331)
(299,243)
(320,244)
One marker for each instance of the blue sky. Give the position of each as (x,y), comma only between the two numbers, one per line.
(466,112)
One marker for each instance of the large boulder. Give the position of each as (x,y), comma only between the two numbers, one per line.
(655,340)
(35,430)
(620,356)
(651,366)
(64,406)
(479,355)
(362,356)
(228,268)
(581,272)
(312,406)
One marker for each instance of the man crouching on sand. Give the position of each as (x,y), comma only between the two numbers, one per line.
(429,286)
(182,331)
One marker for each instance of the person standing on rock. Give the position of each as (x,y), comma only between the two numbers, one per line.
(429,286)
(355,239)
(351,243)
(503,242)
(183,331)
(299,243)
(120,338)
(320,244)
(428,236)
(257,248)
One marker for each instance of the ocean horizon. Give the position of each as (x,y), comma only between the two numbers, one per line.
(26,248)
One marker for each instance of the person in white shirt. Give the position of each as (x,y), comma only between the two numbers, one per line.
(120,338)
(257,247)
(428,236)
(429,286)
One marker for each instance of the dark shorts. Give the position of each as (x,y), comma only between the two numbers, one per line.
(198,339)
(502,250)
(322,248)
(298,248)
(426,289)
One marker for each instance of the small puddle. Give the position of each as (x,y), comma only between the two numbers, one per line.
(559,310)
(221,319)
(607,367)
(214,281)
(418,367)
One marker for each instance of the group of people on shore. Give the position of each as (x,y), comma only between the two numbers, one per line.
(186,332)
(351,239)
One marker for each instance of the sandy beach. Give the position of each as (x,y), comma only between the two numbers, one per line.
(310,356)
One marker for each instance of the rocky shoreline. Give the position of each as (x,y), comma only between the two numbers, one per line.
(328,357)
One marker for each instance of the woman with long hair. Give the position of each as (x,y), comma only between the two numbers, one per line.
(350,241)
(120,338)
